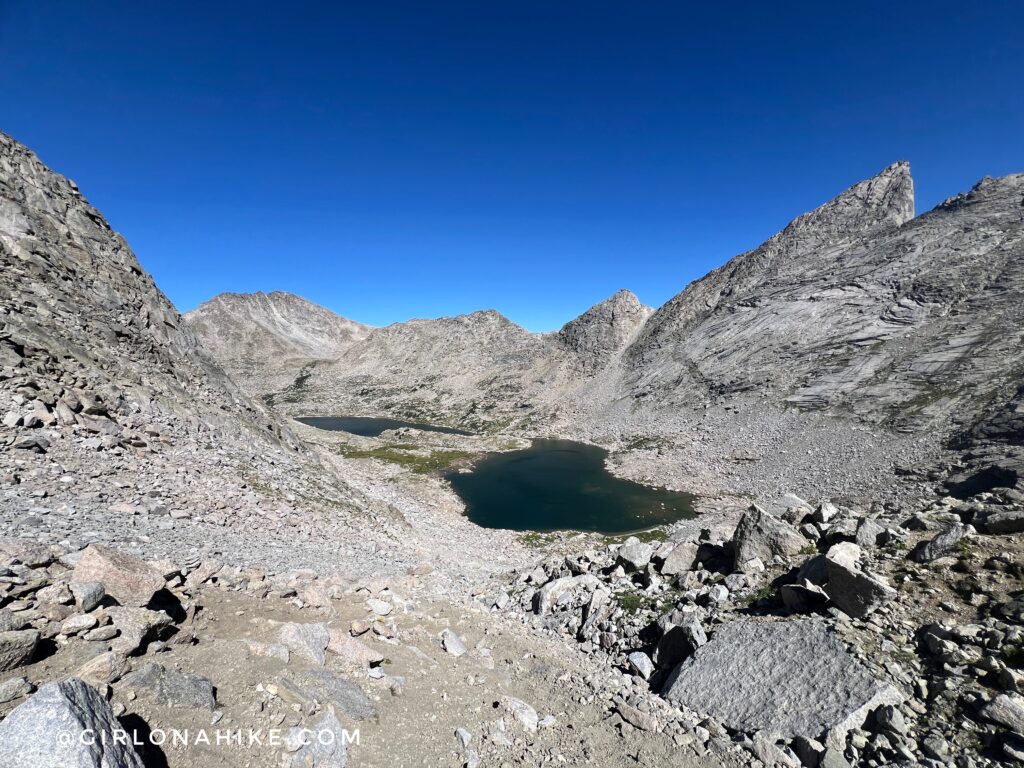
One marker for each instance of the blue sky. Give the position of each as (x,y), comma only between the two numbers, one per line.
(411,159)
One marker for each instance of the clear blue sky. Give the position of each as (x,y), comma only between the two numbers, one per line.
(415,159)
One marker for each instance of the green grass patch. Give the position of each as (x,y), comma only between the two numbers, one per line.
(762,594)
(653,535)
(537,540)
(633,602)
(419,463)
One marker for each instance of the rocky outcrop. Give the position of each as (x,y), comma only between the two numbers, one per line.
(855,305)
(605,329)
(87,340)
(762,537)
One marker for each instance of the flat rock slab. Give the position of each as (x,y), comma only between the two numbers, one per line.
(328,688)
(789,678)
(171,687)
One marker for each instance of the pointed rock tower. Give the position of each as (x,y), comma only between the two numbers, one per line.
(605,329)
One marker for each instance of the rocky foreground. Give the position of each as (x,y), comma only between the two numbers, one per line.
(189,579)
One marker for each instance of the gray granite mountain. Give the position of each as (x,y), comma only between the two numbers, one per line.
(478,368)
(856,306)
(856,313)
(262,339)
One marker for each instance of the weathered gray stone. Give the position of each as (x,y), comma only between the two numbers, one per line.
(451,643)
(679,642)
(46,731)
(136,625)
(171,688)
(789,678)
(107,667)
(309,641)
(634,554)
(869,533)
(854,591)
(945,543)
(78,623)
(641,720)
(17,647)
(594,611)
(825,512)
(523,713)
(329,689)
(322,745)
(547,596)
(760,535)
(10,620)
(1002,520)
(88,594)
(804,597)
(1007,709)
(642,663)
(15,688)
(682,558)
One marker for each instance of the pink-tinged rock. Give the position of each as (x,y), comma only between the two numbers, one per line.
(267,650)
(126,578)
(206,571)
(106,667)
(353,651)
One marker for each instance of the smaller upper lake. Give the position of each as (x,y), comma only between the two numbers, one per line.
(371,426)
(561,485)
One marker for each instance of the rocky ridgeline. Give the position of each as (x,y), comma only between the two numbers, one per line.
(86,337)
(897,335)
(263,339)
(820,635)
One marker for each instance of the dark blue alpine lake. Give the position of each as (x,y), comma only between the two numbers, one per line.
(561,485)
(371,426)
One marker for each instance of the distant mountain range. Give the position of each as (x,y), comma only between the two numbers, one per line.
(857,311)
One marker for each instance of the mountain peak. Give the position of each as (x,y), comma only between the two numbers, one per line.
(605,328)
(882,201)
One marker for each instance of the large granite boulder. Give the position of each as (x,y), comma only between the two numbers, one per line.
(852,589)
(763,536)
(64,725)
(789,678)
(126,578)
